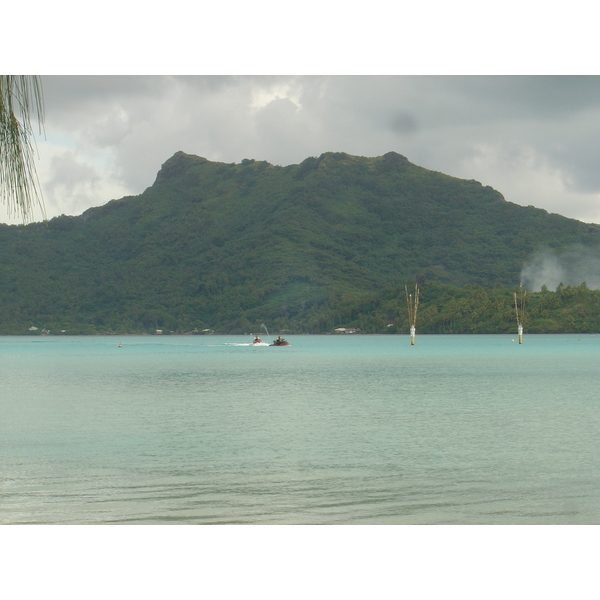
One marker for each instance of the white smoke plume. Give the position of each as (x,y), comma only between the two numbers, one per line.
(572,266)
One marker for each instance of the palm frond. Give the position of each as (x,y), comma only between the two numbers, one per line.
(20,98)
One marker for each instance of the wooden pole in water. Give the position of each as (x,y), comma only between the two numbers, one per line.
(520,312)
(413,304)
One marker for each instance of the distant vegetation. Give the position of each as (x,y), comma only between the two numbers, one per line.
(448,309)
(305,248)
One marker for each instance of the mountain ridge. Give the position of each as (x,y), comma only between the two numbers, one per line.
(228,245)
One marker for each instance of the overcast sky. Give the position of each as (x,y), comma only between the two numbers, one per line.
(425,94)
(536,139)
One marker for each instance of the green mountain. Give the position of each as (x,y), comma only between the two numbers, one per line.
(304,247)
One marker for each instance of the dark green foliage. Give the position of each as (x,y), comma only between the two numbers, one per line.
(310,247)
(471,309)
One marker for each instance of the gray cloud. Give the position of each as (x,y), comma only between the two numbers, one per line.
(403,123)
(572,266)
(73,183)
(534,138)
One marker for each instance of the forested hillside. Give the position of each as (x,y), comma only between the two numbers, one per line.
(304,247)
(448,309)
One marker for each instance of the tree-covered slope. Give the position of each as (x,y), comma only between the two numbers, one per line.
(228,246)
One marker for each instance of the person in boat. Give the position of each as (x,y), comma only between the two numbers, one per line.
(257,340)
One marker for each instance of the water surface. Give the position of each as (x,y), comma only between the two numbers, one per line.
(331,430)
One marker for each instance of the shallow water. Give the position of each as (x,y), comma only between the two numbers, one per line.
(331,430)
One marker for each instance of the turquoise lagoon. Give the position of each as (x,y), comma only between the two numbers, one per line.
(352,429)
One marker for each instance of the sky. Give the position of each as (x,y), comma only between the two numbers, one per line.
(461,88)
(534,138)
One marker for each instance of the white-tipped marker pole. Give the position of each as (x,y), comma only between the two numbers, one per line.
(413,305)
(520,312)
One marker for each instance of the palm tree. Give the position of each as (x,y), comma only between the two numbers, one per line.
(20,96)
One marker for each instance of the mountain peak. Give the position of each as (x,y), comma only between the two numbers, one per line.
(393,158)
(178,164)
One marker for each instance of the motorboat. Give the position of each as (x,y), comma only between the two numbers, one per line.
(280,342)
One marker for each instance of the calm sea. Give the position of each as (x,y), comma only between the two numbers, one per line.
(332,430)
